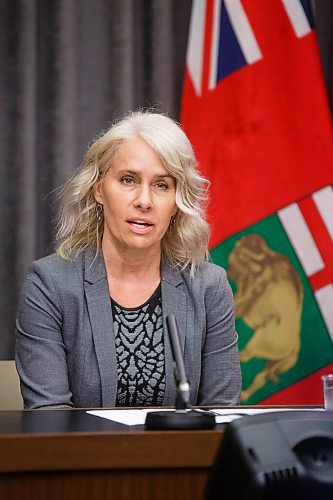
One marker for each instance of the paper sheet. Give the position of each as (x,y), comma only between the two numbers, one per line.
(222,415)
(127,417)
(228,415)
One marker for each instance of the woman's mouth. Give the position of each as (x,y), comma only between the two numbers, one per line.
(140,226)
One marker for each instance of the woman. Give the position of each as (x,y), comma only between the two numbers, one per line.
(132,247)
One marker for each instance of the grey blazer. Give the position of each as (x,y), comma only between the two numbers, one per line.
(65,346)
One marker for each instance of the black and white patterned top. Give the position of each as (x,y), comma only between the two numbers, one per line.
(140,352)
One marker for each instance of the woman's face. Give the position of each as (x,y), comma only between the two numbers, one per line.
(138,198)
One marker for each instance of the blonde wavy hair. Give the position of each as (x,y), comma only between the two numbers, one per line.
(186,241)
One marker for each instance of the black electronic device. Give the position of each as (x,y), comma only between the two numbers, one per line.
(280,455)
(182,417)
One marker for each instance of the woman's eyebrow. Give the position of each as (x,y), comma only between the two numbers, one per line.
(163,176)
(138,172)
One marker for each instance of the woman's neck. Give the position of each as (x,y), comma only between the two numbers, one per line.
(131,264)
(132,276)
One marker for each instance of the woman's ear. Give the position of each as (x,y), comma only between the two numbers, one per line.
(98,191)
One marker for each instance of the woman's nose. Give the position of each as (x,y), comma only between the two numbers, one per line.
(144,198)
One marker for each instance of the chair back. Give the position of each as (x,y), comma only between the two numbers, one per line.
(10,394)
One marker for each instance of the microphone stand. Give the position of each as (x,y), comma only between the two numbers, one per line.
(183,417)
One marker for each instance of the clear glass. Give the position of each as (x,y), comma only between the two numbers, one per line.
(328,391)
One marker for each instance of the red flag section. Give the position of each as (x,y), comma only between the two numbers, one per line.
(263,133)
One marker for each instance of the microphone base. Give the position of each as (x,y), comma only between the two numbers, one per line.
(167,420)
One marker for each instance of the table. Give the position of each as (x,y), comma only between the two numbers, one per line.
(65,454)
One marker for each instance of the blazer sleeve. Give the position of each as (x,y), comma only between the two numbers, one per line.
(220,382)
(40,350)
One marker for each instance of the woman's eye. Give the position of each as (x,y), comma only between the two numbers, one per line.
(162,185)
(128,181)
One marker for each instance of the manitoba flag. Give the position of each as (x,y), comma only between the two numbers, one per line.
(255,109)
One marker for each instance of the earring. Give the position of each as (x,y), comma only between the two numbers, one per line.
(99,212)
(172,223)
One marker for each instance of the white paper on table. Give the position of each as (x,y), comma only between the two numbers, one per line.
(222,415)
(126,417)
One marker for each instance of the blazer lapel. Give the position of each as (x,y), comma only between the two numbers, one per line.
(100,313)
(173,302)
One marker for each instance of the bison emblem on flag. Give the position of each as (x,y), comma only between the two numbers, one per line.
(281,270)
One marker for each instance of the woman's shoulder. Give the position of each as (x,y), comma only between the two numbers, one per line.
(53,262)
(55,267)
(211,271)
(208,276)
(207,272)
(209,285)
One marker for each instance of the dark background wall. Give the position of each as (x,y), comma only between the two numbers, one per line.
(67,69)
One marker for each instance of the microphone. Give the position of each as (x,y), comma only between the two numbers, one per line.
(183,417)
(183,387)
